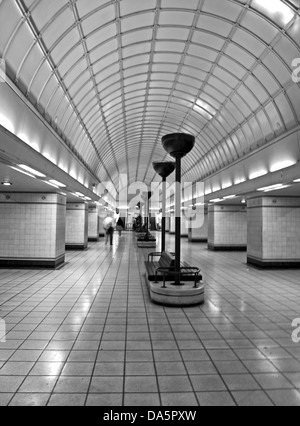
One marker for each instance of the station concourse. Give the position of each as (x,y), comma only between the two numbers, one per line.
(89,92)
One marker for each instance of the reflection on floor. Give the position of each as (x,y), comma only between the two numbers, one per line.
(88,335)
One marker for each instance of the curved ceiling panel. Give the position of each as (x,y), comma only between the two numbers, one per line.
(113,77)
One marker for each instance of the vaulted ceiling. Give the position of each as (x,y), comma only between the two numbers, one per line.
(113,77)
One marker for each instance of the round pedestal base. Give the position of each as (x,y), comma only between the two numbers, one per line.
(185,295)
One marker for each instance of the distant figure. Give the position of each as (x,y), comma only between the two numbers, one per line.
(108,225)
(120,227)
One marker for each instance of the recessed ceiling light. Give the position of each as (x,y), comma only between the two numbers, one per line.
(258,174)
(282,165)
(6,183)
(32,171)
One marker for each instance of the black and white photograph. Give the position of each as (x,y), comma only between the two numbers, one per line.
(150,206)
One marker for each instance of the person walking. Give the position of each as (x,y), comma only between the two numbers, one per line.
(120,227)
(108,225)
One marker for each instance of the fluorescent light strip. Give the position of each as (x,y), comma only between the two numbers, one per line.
(297,181)
(230,197)
(276,189)
(32,171)
(55,182)
(51,184)
(23,172)
(217,200)
(269,188)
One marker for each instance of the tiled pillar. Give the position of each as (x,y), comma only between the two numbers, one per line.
(172,224)
(32,229)
(77,226)
(274,232)
(184,227)
(167,224)
(93,233)
(227,227)
(199,235)
(101,217)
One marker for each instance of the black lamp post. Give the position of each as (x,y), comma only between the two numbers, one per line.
(164,170)
(178,145)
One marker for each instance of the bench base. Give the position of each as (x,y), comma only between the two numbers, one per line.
(181,296)
(146,244)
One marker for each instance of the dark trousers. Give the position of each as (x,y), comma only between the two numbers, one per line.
(110,234)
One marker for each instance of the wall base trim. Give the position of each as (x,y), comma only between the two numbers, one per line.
(198,240)
(32,263)
(213,247)
(76,246)
(93,239)
(273,264)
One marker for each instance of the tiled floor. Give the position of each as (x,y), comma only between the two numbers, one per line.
(87,334)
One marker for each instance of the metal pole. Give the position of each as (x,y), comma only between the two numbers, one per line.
(163,221)
(178,220)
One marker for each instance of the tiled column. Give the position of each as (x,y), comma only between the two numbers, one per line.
(101,217)
(77,226)
(199,235)
(167,224)
(227,227)
(32,229)
(93,233)
(172,224)
(274,232)
(184,227)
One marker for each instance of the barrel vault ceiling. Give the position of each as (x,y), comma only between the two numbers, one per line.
(113,77)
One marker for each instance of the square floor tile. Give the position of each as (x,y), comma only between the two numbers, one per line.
(252,399)
(179,400)
(140,369)
(10,384)
(285,398)
(30,400)
(40,384)
(141,400)
(67,400)
(239,382)
(215,399)
(111,356)
(194,355)
(72,385)
(208,383)
(260,366)
(109,369)
(200,368)
(230,367)
(74,369)
(16,369)
(141,384)
(174,384)
(106,385)
(5,398)
(139,356)
(47,369)
(273,381)
(105,400)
